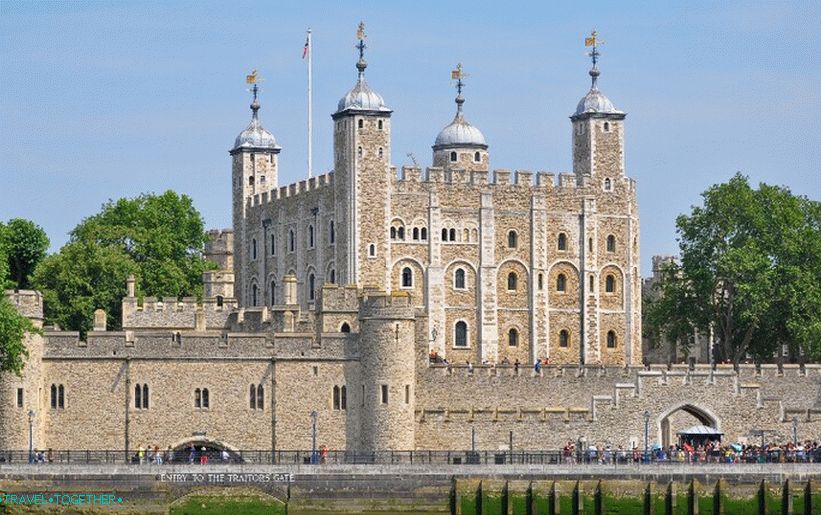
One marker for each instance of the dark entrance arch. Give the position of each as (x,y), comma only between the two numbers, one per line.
(193,449)
(670,418)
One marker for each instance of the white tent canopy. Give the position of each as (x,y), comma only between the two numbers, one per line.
(701,431)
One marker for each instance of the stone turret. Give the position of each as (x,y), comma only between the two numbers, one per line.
(219,249)
(388,371)
(21,395)
(460,145)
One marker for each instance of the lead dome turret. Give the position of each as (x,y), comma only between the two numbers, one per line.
(255,136)
(460,145)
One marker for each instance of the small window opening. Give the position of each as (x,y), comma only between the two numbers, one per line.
(512,281)
(379,125)
(512,239)
(513,338)
(345,328)
(384,394)
(564,338)
(460,334)
(407,394)
(372,250)
(611,340)
(407,277)
(562,244)
(459,279)
(360,123)
(610,284)
(611,243)
(561,283)
(453,157)
(477,157)
(424,233)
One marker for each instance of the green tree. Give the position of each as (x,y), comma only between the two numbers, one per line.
(25,246)
(5,279)
(159,238)
(749,269)
(13,329)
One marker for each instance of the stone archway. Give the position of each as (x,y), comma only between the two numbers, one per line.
(680,416)
(213,449)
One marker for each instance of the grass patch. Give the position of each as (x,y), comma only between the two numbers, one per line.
(218,505)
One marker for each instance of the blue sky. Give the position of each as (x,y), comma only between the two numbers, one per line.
(102,100)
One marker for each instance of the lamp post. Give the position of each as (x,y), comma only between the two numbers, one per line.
(646,436)
(795,430)
(314,414)
(31,436)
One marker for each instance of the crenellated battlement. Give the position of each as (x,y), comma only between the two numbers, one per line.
(29,303)
(291,190)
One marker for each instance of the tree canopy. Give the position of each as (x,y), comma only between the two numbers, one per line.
(13,329)
(159,238)
(749,269)
(25,245)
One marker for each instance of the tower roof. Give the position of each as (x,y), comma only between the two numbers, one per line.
(255,136)
(361,97)
(459,133)
(595,102)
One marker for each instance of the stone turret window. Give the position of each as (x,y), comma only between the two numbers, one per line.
(254,248)
(311,288)
(608,185)
(606,126)
(291,241)
(384,394)
(360,123)
(372,250)
(273,245)
(611,243)
(561,283)
(611,340)
(541,281)
(393,233)
(345,328)
(332,276)
(359,150)
(220,301)
(610,284)
(251,180)
(564,338)
(273,292)
(19,397)
(400,233)
(381,153)
(444,235)
(407,277)
(415,233)
(407,394)
(459,279)
(141,396)
(453,157)
(452,235)
(513,337)
(512,281)
(331,233)
(310,236)
(58,396)
(340,398)
(477,157)
(590,244)
(256,397)
(562,243)
(379,125)
(460,334)
(512,239)
(202,398)
(424,233)
(254,294)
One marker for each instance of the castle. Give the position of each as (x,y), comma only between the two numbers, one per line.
(333,295)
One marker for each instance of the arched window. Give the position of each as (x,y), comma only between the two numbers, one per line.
(331,233)
(254,294)
(291,240)
(452,235)
(379,125)
(252,401)
(311,287)
(466,235)
(273,245)
(564,338)
(343,398)
(591,284)
(477,157)
(254,248)
(400,233)
(607,185)
(260,397)
(611,340)
(220,301)
(444,235)
(459,279)
(611,243)
(372,250)
(393,233)
(345,328)
(61,397)
(474,235)
(53,396)
(332,276)
(562,245)
(415,233)
(336,401)
(541,281)
(205,401)
(360,123)
(273,292)
(453,157)
(138,396)
(251,179)
(310,236)
(424,233)
(407,277)
(198,398)
(513,337)
(590,244)
(512,281)
(460,334)
(610,284)
(606,126)
(561,283)
(145,396)
(512,239)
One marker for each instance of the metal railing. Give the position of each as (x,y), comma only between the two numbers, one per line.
(419,457)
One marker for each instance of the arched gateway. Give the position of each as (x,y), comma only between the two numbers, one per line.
(681,416)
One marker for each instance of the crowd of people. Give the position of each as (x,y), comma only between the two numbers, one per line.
(153,455)
(709,451)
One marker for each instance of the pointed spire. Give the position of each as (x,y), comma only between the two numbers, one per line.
(361,64)
(458,74)
(593,41)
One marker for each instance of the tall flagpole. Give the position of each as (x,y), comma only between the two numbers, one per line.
(310,108)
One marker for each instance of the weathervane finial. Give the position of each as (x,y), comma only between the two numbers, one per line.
(254,89)
(458,74)
(593,41)
(360,35)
